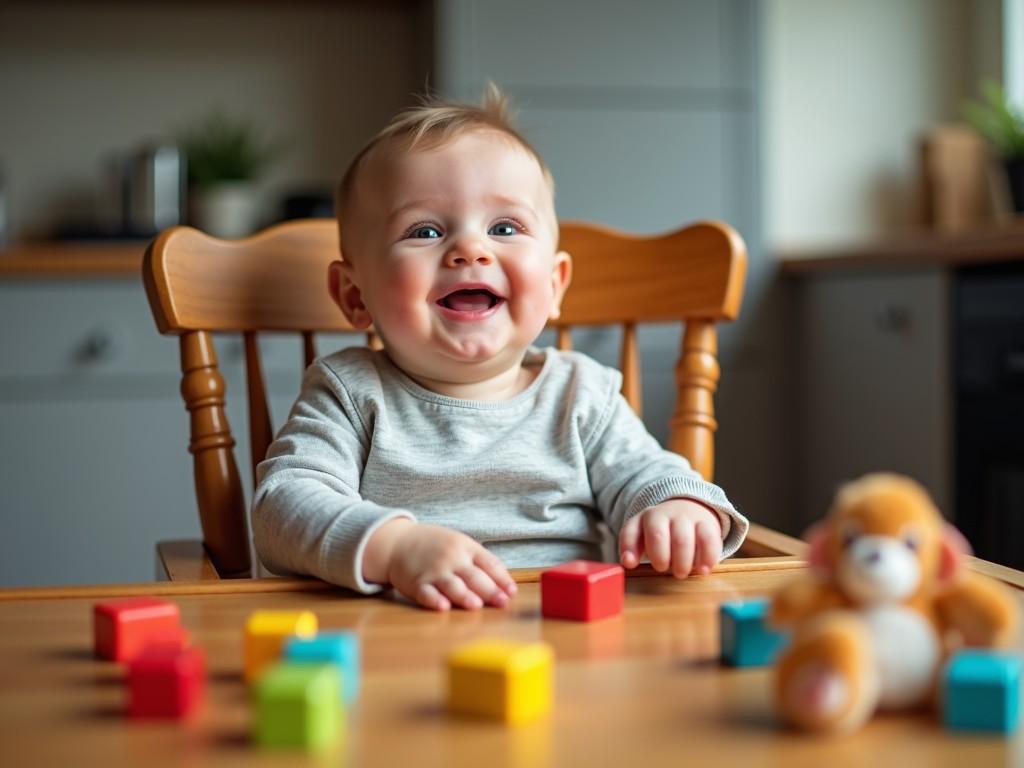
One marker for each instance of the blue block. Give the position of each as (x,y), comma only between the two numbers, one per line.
(981,691)
(747,640)
(338,648)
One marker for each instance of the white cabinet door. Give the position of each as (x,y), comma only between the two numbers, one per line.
(872,357)
(89,484)
(94,467)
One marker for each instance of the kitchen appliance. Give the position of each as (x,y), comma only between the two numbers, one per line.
(989,399)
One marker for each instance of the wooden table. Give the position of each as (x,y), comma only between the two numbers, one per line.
(641,689)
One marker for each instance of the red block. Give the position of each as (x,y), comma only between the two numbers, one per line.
(122,628)
(166,681)
(582,590)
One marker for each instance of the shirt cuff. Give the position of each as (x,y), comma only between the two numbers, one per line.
(344,544)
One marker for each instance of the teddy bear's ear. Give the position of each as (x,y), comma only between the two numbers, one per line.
(817,540)
(952,550)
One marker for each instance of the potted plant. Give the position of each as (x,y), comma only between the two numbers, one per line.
(225,157)
(1002,124)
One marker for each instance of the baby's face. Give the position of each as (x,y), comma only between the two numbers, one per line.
(452,254)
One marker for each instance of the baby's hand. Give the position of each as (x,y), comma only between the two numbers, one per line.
(679,534)
(438,567)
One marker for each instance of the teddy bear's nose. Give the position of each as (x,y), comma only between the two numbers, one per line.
(873,557)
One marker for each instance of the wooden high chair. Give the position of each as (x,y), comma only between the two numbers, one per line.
(276,281)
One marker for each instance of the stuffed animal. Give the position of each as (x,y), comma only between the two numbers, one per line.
(888,598)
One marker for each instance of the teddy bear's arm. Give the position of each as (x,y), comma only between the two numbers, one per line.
(982,610)
(802,598)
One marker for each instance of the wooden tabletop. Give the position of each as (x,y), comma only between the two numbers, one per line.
(641,689)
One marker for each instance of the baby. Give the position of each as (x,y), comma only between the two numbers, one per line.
(460,450)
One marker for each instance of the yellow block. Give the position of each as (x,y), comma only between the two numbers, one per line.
(503,679)
(265,633)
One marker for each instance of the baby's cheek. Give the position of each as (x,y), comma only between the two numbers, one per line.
(533,286)
(403,297)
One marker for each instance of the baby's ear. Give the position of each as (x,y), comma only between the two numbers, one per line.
(346,294)
(561,276)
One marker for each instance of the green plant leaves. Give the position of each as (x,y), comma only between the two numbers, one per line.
(222,148)
(998,121)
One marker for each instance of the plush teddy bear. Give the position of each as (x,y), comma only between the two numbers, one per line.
(887,599)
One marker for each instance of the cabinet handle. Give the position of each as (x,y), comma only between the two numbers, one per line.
(97,347)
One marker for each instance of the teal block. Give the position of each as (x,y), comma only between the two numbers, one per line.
(338,648)
(298,706)
(981,691)
(747,640)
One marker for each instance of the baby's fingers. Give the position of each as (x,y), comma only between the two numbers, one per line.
(631,543)
(491,565)
(657,540)
(709,543)
(428,596)
(683,544)
(455,589)
(484,586)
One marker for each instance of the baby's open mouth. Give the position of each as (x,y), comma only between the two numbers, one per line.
(467,300)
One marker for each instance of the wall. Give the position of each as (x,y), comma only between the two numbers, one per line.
(848,88)
(80,80)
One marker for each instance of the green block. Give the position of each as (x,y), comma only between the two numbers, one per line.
(298,705)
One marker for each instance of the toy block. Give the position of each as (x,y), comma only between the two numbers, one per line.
(747,640)
(981,691)
(298,705)
(501,679)
(338,648)
(582,590)
(265,635)
(122,628)
(166,681)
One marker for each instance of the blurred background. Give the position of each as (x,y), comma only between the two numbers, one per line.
(883,322)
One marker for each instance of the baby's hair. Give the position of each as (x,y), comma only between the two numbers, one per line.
(433,123)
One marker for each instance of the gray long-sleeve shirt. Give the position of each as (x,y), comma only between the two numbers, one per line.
(532,478)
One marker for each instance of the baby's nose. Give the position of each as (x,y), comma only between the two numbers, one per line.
(467,253)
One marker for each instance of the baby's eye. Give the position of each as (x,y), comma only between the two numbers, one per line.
(503,229)
(424,231)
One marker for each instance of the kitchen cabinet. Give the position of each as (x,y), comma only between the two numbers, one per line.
(872,386)
(906,355)
(94,467)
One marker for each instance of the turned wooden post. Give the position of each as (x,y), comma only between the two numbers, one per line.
(260,430)
(630,367)
(692,426)
(222,511)
(308,348)
(564,341)
(373,341)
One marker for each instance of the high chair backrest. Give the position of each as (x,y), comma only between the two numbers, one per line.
(276,281)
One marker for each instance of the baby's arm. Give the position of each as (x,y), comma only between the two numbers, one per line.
(436,567)
(655,501)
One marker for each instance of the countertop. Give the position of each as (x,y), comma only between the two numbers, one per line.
(1002,243)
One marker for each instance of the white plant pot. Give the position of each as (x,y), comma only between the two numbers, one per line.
(227,210)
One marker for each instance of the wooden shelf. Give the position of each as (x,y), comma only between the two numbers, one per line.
(911,250)
(61,259)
